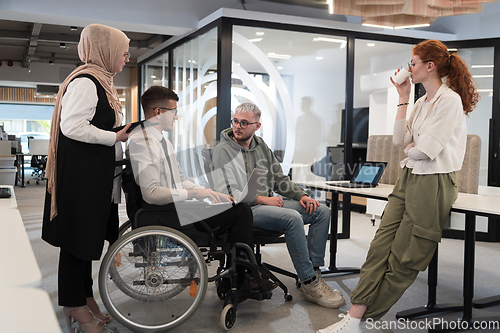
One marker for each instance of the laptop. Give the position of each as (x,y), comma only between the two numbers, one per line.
(250,190)
(367,174)
(197,211)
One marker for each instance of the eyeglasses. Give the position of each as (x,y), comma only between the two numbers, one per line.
(243,124)
(127,55)
(174,109)
(411,65)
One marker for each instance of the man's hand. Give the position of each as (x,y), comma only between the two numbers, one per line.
(224,197)
(309,204)
(215,197)
(270,201)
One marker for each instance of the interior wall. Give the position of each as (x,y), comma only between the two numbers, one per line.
(55,74)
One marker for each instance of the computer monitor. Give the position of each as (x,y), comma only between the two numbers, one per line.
(360,119)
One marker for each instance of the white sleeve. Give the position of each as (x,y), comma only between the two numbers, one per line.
(415,154)
(78,108)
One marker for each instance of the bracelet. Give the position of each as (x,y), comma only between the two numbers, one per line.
(402,104)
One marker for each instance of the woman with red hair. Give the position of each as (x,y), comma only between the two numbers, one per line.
(434,137)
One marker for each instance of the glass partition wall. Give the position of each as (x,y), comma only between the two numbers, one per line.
(297,79)
(318,89)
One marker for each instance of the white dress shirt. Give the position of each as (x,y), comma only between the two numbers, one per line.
(438,129)
(151,168)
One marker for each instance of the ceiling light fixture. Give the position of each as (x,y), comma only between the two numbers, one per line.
(259,33)
(73,28)
(255,40)
(370,44)
(376,26)
(278,56)
(413,26)
(331,40)
(62,45)
(481,76)
(482,66)
(402,14)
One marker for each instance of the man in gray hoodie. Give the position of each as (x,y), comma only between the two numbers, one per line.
(234,159)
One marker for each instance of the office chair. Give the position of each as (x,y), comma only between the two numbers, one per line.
(261,237)
(38,160)
(154,277)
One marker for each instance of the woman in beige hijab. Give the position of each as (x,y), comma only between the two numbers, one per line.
(79,213)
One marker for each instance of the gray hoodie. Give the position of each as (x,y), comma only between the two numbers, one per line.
(233,165)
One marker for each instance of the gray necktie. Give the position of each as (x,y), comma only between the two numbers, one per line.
(165,149)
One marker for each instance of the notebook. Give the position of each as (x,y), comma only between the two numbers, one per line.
(367,174)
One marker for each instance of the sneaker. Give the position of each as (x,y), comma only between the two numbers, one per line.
(348,324)
(321,293)
(320,278)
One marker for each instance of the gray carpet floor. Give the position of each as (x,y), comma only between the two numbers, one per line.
(276,315)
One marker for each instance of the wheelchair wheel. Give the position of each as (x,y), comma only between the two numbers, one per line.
(124,228)
(228,317)
(153,279)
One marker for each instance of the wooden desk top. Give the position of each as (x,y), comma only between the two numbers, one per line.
(487,205)
(8,202)
(19,262)
(27,310)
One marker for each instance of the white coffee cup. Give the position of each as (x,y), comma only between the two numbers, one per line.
(401,76)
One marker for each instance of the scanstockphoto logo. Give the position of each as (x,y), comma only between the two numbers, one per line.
(430,323)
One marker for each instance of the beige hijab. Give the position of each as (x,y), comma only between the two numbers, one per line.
(100,48)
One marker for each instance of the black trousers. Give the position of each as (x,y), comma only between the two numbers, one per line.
(74,280)
(237,221)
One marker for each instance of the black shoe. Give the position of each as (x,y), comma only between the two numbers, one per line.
(266,286)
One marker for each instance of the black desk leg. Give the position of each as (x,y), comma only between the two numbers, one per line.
(468,291)
(486,302)
(22,171)
(431,306)
(332,269)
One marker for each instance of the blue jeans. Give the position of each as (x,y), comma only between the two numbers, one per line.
(290,219)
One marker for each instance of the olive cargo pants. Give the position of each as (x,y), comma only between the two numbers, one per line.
(405,242)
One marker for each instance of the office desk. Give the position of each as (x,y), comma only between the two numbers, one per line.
(471,205)
(21,267)
(8,202)
(380,192)
(27,310)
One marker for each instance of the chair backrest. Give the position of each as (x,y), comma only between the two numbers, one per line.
(381,149)
(38,146)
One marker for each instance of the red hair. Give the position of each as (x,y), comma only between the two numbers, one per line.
(458,77)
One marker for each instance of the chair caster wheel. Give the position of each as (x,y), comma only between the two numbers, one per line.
(228,317)
(288,297)
(297,284)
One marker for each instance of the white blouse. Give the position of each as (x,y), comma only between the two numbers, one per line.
(437,129)
(78,108)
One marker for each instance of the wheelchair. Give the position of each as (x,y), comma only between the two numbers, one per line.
(154,277)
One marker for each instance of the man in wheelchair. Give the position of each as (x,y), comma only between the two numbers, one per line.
(163,185)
